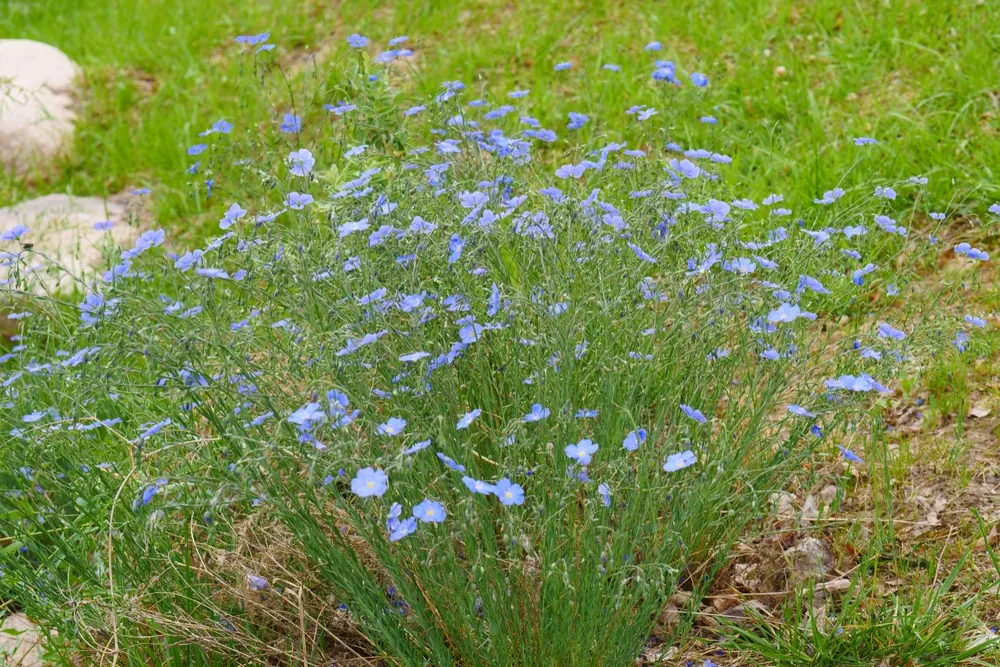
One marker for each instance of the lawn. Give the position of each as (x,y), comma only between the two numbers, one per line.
(396,377)
(792,83)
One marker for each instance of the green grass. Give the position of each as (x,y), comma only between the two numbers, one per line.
(920,78)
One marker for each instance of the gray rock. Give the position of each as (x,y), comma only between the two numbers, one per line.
(19,642)
(36,103)
(65,245)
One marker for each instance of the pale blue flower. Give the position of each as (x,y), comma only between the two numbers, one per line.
(849,455)
(301,162)
(429,511)
(468,418)
(478,486)
(538,413)
(634,439)
(582,451)
(297,202)
(699,79)
(693,414)
(605,492)
(369,482)
(509,493)
(393,426)
(679,461)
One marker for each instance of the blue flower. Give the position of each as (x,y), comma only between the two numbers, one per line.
(467,419)
(679,461)
(189,260)
(423,444)
(234,214)
(307,416)
(349,228)
(212,273)
(699,79)
(634,439)
(693,414)
(830,196)
(605,492)
(538,413)
(103,225)
(582,451)
(508,493)
(256,582)
(291,124)
(787,312)
(665,71)
(563,66)
(888,331)
(807,282)
(429,511)
(369,482)
(689,169)
(220,126)
(14,233)
(301,162)
(392,426)
(151,430)
(297,202)
(800,411)
(641,254)
(197,149)
(357,41)
(577,120)
(403,528)
(252,40)
(455,246)
(970,252)
(450,462)
(340,108)
(654,46)
(849,455)
(860,383)
(477,486)
(864,141)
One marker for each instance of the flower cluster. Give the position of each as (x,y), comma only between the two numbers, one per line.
(444,283)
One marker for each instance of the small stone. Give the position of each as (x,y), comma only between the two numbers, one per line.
(809,558)
(36,103)
(810,510)
(742,613)
(828,494)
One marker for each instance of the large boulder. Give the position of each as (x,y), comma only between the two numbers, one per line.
(64,241)
(19,642)
(36,103)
